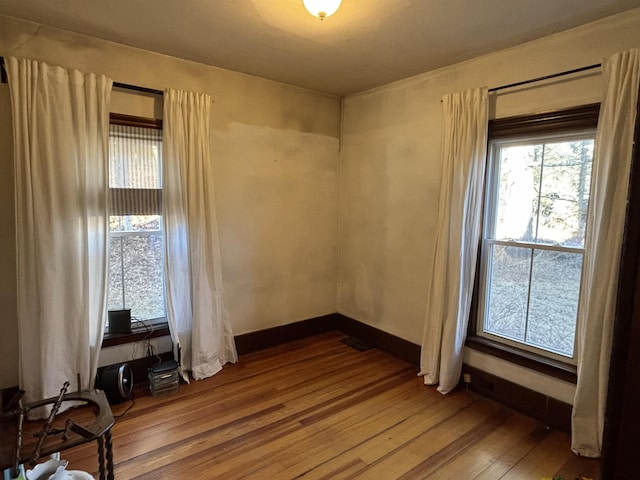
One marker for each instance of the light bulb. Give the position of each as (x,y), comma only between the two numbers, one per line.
(322,8)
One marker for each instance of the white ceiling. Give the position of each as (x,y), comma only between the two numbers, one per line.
(365,44)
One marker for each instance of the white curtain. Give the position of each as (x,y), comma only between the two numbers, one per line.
(197,318)
(466,116)
(607,208)
(60,131)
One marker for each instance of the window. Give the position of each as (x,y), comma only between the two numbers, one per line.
(136,249)
(536,203)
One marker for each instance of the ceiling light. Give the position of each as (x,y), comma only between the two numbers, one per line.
(322,8)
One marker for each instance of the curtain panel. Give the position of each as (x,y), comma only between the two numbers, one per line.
(466,117)
(60,131)
(198,321)
(605,228)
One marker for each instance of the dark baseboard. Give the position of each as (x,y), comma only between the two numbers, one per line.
(271,337)
(548,410)
(384,341)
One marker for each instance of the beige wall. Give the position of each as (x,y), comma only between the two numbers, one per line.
(391,173)
(275,154)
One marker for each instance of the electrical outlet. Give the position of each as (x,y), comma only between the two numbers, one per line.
(466,377)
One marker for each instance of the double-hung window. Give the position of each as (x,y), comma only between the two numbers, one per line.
(536,204)
(136,249)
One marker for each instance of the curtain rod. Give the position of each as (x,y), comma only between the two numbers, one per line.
(546,77)
(136,88)
(126,86)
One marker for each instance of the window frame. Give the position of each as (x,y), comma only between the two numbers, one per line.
(575,120)
(157,124)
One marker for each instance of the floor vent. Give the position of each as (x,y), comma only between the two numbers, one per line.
(356,343)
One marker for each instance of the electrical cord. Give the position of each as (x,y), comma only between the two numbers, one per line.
(133,404)
(150,348)
(147,338)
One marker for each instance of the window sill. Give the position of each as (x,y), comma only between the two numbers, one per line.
(137,334)
(539,363)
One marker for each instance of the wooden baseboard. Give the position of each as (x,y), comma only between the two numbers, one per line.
(384,341)
(548,410)
(271,337)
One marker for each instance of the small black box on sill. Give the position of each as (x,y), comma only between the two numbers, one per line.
(119,321)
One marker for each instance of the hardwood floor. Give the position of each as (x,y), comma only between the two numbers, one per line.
(318,409)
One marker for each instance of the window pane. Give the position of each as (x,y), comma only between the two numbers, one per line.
(136,265)
(143,274)
(553,308)
(115,297)
(135,223)
(508,290)
(517,202)
(564,192)
(543,192)
(136,275)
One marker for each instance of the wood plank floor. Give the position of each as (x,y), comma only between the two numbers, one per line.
(318,409)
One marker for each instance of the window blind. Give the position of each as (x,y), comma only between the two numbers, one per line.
(135,170)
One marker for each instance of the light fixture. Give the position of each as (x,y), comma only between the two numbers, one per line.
(322,8)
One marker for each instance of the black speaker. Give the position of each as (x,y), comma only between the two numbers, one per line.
(116,381)
(119,321)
